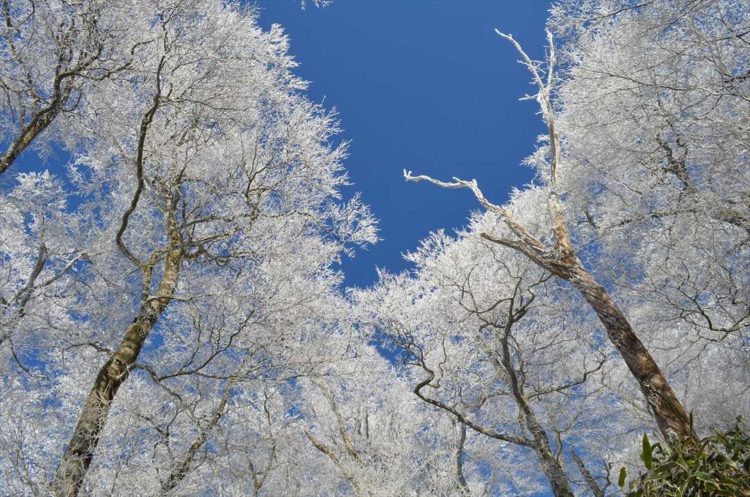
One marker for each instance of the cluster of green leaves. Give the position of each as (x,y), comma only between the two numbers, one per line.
(718,466)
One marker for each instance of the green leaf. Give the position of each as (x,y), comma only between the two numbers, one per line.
(647,456)
(621,479)
(702,476)
(685,486)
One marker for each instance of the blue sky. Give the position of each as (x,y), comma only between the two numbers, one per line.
(426,86)
(421,85)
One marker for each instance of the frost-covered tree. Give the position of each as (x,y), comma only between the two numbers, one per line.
(640,76)
(190,249)
(171,314)
(374,435)
(491,343)
(654,115)
(52,54)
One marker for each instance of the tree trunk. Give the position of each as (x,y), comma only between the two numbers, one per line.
(552,469)
(554,472)
(460,430)
(40,120)
(667,410)
(77,458)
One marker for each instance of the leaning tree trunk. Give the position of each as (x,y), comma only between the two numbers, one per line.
(667,410)
(77,458)
(550,465)
(39,122)
(460,429)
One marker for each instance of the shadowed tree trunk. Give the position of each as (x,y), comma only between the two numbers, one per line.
(460,430)
(77,458)
(27,134)
(667,410)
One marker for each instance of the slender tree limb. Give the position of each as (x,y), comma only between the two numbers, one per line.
(181,470)
(587,476)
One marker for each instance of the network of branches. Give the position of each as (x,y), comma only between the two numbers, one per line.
(172,317)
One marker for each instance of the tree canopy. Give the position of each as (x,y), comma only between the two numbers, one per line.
(172,314)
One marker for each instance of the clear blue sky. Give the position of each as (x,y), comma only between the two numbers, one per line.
(426,86)
(420,85)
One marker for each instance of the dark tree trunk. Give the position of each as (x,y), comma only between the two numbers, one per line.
(667,410)
(77,458)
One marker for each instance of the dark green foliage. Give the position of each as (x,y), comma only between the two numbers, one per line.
(719,466)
